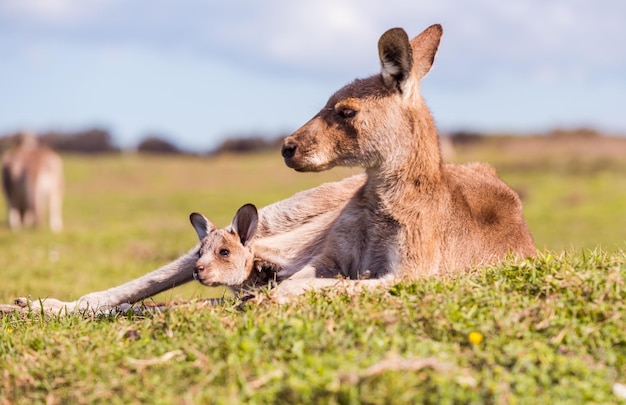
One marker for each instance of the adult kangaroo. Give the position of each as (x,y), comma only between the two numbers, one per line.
(415,216)
(32,180)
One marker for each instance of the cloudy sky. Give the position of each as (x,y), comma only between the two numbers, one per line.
(199,71)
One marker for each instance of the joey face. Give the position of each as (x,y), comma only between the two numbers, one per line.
(225,256)
(222,259)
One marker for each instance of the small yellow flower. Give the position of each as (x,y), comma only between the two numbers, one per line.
(475,337)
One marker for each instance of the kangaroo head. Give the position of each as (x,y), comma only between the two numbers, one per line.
(370,121)
(226,255)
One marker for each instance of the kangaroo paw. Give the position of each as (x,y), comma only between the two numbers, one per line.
(51,305)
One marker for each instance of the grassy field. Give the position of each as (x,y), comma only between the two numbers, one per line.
(549,330)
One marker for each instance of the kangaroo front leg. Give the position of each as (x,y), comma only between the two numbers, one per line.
(307,272)
(55,214)
(322,266)
(173,274)
(15,218)
(51,305)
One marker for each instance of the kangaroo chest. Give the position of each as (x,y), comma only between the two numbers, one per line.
(365,244)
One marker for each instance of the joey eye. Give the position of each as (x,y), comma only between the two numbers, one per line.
(224,252)
(346,112)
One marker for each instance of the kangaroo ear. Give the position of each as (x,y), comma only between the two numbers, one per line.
(396,59)
(424,49)
(201,224)
(245,223)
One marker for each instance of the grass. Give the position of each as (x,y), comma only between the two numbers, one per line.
(548,330)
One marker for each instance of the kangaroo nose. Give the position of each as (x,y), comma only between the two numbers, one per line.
(288,151)
(199,268)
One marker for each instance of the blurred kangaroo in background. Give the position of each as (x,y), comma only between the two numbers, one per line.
(415,216)
(32,181)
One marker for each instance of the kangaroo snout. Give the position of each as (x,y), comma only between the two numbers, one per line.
(289,150)
(205,275)
(197,271)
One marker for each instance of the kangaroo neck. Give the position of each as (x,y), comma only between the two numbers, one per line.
(411,180)
(392,195)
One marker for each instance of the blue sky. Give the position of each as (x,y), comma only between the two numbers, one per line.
(200,71)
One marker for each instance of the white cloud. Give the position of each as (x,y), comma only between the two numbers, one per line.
(324,37)
(52,11)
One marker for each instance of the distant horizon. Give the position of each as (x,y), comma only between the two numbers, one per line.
(277,136)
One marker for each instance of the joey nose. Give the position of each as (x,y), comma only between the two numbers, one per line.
(289,150)
(199,268)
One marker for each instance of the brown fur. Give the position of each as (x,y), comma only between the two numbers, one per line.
(415,216)
(32,179)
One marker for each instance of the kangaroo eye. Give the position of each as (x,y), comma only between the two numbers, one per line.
(346,113)
(224,252)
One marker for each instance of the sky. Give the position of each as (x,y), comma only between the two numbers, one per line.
(197,72)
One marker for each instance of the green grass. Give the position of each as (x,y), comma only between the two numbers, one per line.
(552,328)
(553,332)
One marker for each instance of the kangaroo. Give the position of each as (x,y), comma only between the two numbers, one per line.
(415,216)
(32,180)
(288,234)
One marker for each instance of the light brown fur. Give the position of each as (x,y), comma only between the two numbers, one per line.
(32,179)
(415,216)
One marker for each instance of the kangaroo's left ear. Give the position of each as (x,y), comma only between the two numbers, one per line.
(201,224)
(245,223)
(396,59)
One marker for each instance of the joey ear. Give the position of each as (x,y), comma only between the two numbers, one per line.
(424,49)
(396,59)
(201,224)
(245,223)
